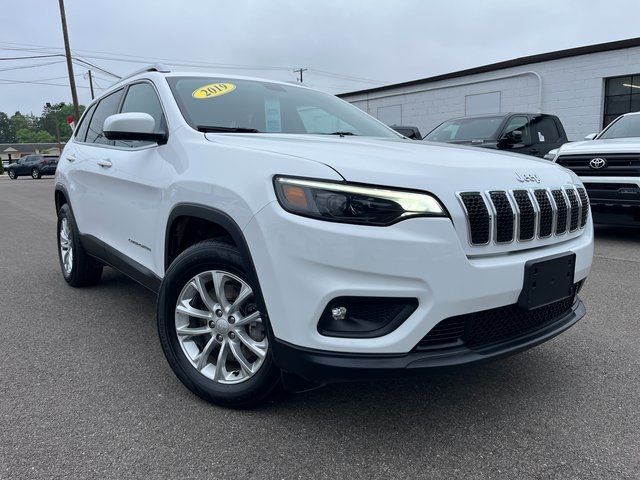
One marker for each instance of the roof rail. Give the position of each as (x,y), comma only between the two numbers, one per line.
(156,67)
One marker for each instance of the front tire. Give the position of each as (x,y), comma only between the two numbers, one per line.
(12,175)
(35,174)
(78,268)
(210,329)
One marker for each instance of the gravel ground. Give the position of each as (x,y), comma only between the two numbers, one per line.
(85,391)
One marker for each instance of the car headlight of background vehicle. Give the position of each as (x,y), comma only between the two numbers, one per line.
(353,203)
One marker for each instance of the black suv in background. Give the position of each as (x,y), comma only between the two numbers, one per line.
(33,165)
(528,133)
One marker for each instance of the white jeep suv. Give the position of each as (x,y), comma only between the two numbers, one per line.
(609,165)
(293,238)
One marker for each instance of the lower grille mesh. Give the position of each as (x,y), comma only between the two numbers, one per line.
(481,329)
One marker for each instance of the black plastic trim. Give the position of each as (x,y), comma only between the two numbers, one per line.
(112,257)
(322,366)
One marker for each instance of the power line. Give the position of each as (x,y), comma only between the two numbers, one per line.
(31,56)
(22,67)
(139,59)
(32,82)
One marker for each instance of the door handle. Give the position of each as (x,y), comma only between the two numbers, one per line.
(71,158)
(104,163)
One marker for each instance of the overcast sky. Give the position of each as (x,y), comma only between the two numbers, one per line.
(374,40)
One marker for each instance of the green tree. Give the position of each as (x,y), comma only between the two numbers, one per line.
(55,114)
(7,130)
(25,135)
(21,121)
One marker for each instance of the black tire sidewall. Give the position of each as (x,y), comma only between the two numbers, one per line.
(12,175)
(37,174)
(197,259)
(65,212)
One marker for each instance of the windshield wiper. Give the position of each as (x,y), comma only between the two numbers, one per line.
(342,134)
(211,128)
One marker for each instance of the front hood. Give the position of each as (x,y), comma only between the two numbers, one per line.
(429,166)
(613,145)
(442,169)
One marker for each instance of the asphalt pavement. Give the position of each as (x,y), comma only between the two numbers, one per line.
(85,391)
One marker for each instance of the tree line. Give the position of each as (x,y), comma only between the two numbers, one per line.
(49,127)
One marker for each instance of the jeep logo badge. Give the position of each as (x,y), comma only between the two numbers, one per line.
(597,163)
(527,178)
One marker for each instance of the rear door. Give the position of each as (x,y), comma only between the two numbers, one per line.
(545,135)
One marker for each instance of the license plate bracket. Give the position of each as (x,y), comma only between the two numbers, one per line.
(547,280)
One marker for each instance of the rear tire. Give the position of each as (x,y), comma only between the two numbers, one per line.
(35,174)
(78,268)
(237,368)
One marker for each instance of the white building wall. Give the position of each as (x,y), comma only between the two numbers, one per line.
(572,89)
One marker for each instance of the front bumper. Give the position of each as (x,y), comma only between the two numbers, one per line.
(302,264)
(323,367)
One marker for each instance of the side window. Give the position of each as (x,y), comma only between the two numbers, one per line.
(108,106)
(142,97)
(519,123)
(81,131)
(545,130)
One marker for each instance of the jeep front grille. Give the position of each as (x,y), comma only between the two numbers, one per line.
(502,216)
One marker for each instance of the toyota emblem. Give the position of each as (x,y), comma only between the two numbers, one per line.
(597,163)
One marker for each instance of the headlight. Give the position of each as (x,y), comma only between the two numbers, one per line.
(353,203)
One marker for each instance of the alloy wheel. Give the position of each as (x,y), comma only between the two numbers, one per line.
(66,246)
(219,327)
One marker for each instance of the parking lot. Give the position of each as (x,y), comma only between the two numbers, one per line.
(85,391)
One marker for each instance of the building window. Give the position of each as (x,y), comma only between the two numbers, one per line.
(622,95)
(390,115)
(482,103)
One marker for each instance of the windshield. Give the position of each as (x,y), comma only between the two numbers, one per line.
(248,106)
(624,127)
(462,129)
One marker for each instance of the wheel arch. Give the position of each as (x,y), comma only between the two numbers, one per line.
(224,221)
(61,197)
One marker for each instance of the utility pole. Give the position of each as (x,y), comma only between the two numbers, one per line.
(72,80)
(90,86)
(299,70)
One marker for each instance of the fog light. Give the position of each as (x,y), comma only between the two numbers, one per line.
(366,317)
(339,313)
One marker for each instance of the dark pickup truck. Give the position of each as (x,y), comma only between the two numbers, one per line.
(528,133)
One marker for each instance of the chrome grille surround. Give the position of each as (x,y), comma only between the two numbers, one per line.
(519,200)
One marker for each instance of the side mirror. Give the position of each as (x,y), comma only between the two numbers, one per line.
(132,126)
(511,138)
(591,136)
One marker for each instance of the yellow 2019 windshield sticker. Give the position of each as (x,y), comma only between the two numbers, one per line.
(213,90)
